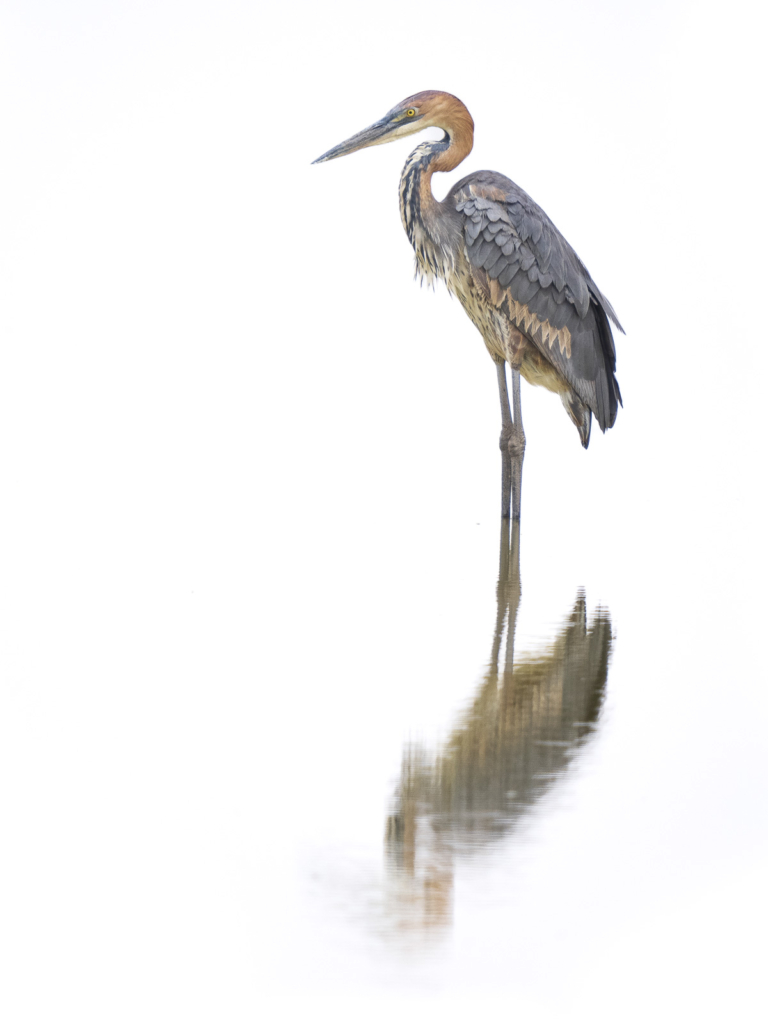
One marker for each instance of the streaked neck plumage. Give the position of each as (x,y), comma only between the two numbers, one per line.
(423,217)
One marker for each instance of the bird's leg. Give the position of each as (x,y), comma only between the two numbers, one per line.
(516,446)
(506,434)
(511,442)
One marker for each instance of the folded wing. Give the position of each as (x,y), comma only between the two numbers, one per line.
(541,284)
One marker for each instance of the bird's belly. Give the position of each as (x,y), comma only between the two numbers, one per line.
(504,340)
(539,372)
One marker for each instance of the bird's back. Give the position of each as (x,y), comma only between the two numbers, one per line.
(523,271)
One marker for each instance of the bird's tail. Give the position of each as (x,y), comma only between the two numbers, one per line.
(581,415)
(607,392)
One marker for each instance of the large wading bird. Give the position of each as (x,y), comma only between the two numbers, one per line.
(518,279)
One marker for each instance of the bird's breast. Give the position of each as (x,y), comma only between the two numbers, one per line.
(432,261)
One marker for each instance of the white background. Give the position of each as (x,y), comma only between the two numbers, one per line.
(249,481)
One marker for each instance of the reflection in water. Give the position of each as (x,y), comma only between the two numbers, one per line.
(529,716)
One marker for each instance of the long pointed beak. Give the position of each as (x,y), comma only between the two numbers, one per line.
(373,135)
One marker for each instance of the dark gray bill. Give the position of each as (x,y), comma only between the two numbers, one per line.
(367,137)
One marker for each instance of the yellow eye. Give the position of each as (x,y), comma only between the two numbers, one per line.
(410,113)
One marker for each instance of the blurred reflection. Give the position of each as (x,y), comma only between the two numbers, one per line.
(529,716)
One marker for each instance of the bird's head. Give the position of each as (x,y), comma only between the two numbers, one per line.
(428,109)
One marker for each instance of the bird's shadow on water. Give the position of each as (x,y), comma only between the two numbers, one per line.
(529,716)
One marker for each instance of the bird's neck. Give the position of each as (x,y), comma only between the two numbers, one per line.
(418,206)
(416,197)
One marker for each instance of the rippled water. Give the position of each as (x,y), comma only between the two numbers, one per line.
(579,812)
(526,722)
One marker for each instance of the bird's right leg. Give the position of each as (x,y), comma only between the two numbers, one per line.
(517,441)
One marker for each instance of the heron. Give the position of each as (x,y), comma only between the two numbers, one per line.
(520,282)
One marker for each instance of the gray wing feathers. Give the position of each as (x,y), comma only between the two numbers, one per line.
(512,239)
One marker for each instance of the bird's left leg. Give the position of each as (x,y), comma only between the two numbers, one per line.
(517,440)
(511,442)
(516,446)
(506,434)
